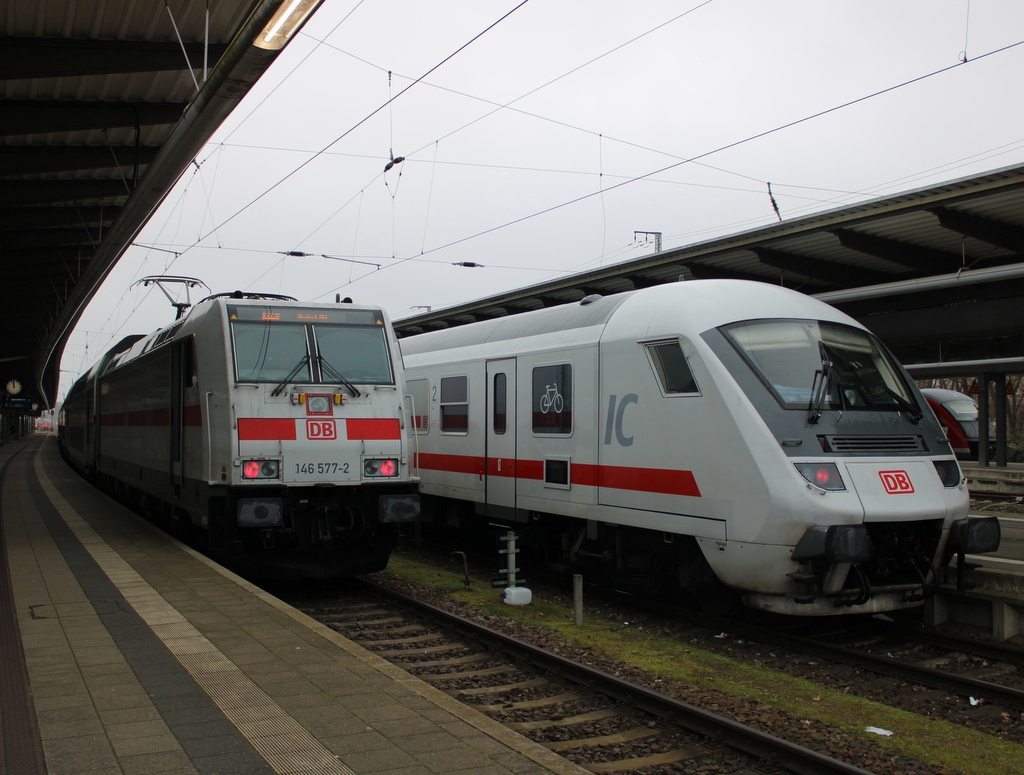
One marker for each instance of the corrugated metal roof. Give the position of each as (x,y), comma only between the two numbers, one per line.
(103,105)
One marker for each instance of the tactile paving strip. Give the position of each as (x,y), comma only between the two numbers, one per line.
(282,742)
(20,748)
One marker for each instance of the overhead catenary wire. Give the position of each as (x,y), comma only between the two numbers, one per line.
(602,178)
(373,113)
(719,149)
(362,121)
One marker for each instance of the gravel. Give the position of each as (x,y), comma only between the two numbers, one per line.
(811,733)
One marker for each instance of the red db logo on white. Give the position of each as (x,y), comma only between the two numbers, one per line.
(896,482)
(321,430)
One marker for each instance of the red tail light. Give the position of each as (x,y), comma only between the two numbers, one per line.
(823,475)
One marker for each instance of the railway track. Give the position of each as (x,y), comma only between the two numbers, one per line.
(964,680)
(906,653)
(602,722)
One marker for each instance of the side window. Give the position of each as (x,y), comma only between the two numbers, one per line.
(671,367)
(418,389)
(455,405)
(552,399)
(188,362)
(500,416)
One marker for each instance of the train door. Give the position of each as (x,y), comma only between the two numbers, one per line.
(500,452)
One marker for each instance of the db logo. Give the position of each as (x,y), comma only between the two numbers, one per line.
(896,482)
(321,430)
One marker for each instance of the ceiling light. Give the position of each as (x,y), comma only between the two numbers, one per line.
(285,23)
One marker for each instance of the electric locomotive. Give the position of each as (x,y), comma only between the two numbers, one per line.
(732,438)
(269,432)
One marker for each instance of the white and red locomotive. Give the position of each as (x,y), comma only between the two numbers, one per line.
(270,432)
(714,435)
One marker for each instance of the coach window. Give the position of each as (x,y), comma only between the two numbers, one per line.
(188,367)
(552,399)
(500,418)
(455,405)
(671,367)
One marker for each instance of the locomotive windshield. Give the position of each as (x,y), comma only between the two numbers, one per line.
(815,365)
(310,345)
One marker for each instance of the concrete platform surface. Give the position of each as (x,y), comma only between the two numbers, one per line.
(123,651)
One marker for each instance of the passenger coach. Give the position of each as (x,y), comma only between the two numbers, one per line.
(725,437)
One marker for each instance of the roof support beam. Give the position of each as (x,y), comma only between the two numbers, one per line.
(39,159)
(705,272)
(817,269)
(26,238)
(22,58)
(639,281)
(920,259)
(32,192)
(999,233)
(26,117)
(18,218)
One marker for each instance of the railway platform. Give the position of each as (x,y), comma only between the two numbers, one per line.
(123,651)
(1005,481)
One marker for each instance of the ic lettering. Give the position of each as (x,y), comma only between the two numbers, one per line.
(615,419)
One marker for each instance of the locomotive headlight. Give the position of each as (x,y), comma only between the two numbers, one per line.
(823,475)
(380,467)
(261,469)
(949,472)
(318,404)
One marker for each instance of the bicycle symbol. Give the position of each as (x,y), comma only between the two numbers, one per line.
(551,400)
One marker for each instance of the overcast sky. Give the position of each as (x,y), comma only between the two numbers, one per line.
(538,137)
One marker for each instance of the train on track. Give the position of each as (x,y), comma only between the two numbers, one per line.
(958,414)
(270,433)
(731,438)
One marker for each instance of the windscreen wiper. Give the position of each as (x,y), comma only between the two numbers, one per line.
(914,411)
(820,386)
(336,376)
(291,375)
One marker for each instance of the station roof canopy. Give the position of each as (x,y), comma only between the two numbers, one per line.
(936,273)
(104,105)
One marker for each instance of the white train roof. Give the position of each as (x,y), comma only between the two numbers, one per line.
(690,307)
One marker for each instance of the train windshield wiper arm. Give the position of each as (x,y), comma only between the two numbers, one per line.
(291,375)
(820,386)
(328,370)
(915,412)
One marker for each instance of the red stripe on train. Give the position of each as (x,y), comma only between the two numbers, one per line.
(266,429)
(373,430)
(284,429)
(661,482)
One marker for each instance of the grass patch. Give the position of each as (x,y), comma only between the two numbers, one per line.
(916,737)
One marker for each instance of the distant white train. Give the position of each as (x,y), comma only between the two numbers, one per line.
(270,432)
(718,436)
